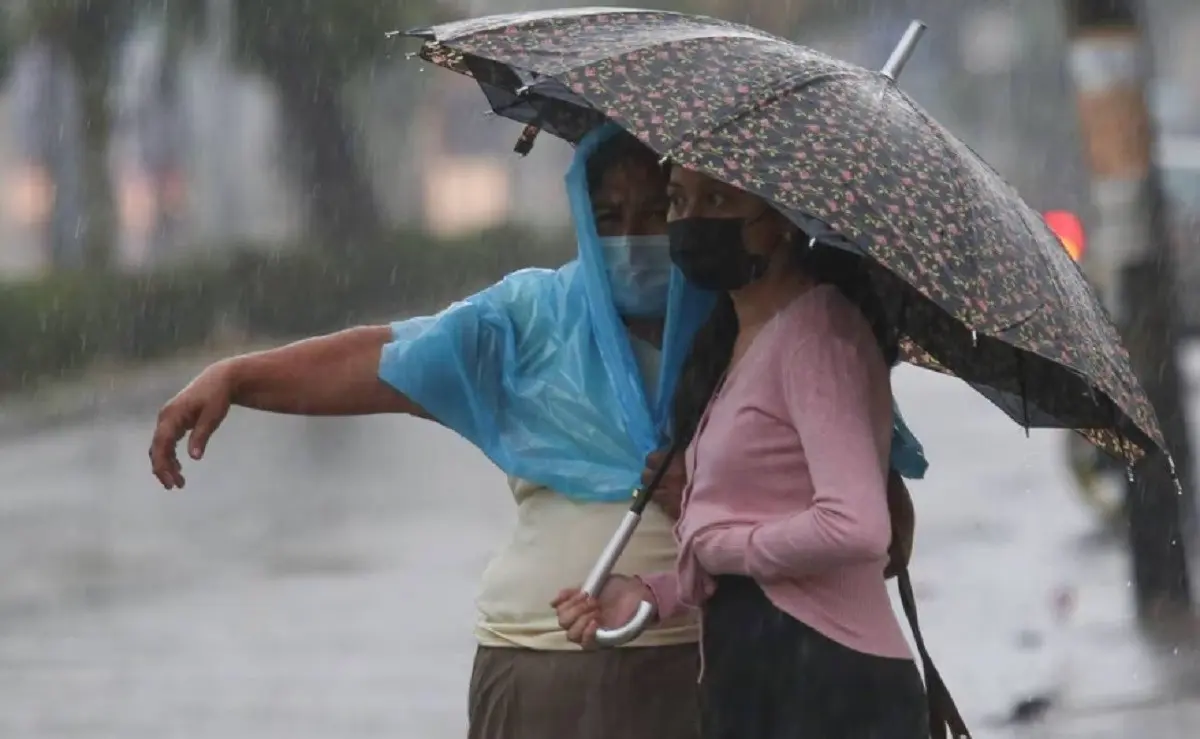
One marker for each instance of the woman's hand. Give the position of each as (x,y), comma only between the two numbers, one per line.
(199,408)
(669,494)
(580,615)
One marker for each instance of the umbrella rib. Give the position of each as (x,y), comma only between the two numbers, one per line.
(1022,384)
(1021,321)
(772,99)
(758,105)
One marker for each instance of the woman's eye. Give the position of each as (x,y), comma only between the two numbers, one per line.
(716,200)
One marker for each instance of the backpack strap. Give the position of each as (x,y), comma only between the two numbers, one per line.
(943,714)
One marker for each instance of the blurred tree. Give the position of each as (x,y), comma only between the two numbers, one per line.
(6,45)
(781,17)
(310,50)
(86,34)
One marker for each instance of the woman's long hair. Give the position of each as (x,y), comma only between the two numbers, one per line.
(712,348)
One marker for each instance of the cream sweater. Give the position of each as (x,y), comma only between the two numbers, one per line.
(554,545)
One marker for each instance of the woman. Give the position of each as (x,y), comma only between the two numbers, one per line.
(468,368)
(785,528)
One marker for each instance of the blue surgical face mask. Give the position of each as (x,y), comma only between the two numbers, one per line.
(639,273)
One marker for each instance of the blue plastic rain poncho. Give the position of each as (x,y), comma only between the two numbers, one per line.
(538,372)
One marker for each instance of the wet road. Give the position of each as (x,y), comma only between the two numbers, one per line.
(315,579)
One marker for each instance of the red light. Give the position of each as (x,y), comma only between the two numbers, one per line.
(1069,229)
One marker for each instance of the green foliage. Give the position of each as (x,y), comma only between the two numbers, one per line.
(88,29)
(65,323)
(338,37)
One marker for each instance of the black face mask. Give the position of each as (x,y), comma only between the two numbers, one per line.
(711,253)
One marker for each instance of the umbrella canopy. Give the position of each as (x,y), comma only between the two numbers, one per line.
(976,282)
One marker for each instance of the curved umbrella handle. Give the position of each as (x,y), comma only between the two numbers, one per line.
(628,632)
(612,552)
(599,575)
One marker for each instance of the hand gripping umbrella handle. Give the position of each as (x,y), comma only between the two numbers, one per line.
(596,579)
(599,576)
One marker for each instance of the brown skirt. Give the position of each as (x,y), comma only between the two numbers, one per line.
(631,693)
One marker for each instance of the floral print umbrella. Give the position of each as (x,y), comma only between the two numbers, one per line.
(978,285)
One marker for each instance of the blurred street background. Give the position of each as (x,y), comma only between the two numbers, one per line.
(181,179)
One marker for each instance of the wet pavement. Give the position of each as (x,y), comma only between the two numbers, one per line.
(315,579)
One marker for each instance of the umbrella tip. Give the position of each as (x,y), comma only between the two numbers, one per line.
(421,32)
(904,49)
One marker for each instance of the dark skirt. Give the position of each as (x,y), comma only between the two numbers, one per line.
(768,676)
(631,693)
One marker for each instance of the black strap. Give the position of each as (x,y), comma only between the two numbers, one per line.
(528,135)
(943,714)
(643,494)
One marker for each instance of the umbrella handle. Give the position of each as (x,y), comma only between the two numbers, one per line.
(599,575)
(612,552)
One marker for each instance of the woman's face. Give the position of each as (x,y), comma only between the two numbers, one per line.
(631,200)
(629,205)
(694,195)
